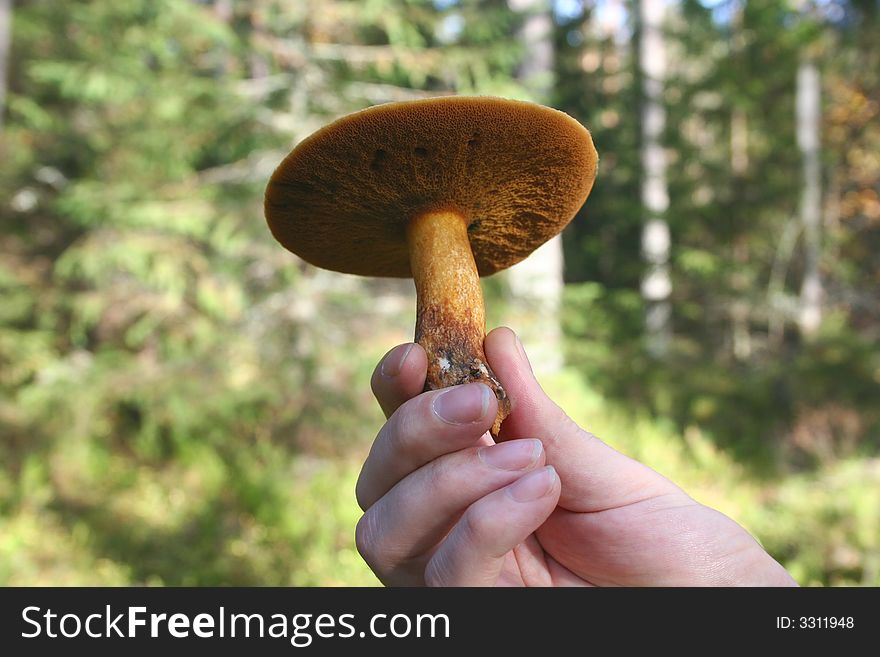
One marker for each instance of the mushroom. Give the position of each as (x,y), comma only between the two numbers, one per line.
(443,190)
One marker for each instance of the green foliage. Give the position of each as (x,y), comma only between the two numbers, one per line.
(795,419)
(597,85)
(164,371)
(183,402)
(263,519)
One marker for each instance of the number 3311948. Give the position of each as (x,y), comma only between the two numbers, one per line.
(815,622)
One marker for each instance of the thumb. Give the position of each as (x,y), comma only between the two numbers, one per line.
(594,476)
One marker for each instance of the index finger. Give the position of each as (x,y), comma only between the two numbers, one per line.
(399,376)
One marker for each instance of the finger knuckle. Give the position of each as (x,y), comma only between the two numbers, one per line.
(475,526)
(438,570)
(446,474)
(366,536)
(360,494)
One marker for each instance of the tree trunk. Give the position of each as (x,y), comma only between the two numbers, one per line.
(5,42)
(536,283)
(740,309)
(656,286)
(808,116)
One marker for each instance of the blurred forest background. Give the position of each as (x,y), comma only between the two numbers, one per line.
(182,402)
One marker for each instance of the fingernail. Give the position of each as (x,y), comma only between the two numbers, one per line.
(393,362)
(534,485)
(522,351)
(511,455)
(467,403)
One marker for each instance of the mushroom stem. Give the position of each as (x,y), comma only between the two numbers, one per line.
(450,316)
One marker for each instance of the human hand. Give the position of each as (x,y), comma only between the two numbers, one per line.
(549,505)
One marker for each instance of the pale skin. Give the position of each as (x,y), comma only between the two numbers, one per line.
(548,505)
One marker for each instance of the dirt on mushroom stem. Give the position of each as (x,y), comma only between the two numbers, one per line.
(450,314)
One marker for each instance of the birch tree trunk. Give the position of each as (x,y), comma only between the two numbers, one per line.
(536,283)
(5,42)
(656,286)
(740,309)
(808,115)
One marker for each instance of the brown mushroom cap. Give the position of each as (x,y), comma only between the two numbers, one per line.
(518,172)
